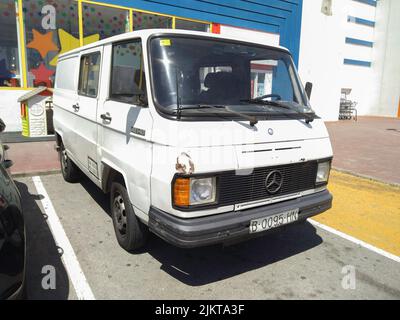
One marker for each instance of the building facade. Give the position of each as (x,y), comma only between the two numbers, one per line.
(335,43)
(352,44)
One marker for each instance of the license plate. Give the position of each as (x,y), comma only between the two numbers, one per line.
(274,221)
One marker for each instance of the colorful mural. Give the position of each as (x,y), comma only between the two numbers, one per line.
(43,21)
(42,76)
(69,42)
(105,21)
(43,43)
(150,21)
(52,28)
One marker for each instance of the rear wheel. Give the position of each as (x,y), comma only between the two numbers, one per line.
(69,169)
(131,233)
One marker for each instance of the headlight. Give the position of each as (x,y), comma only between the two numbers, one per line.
(202,191)
(194,191)
(324,169)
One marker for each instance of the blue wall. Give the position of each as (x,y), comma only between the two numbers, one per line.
(277,16)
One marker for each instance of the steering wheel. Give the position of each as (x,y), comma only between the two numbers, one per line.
(273,95)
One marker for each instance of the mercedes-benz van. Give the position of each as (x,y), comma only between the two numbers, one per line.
(197,138)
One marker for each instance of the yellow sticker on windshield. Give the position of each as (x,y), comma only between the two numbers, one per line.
(165,42)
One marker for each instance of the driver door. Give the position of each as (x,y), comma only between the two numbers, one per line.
(125,122)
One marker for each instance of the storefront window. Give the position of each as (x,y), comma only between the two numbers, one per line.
(10,75)
(191,25)
(51,28)
(104,21)
(262,77)
(150,21)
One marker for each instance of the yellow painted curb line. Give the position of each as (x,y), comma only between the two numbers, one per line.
(365,209)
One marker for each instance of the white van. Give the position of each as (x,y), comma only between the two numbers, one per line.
(198,138)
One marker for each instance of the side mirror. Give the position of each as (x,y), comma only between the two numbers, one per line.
(309,86)
(2,126)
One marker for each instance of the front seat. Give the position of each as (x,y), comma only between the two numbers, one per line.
(223,88)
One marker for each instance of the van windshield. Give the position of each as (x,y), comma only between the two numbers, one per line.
(196,72)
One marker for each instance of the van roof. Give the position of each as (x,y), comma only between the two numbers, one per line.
(148,32)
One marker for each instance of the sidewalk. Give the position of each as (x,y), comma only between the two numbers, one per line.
(33,158)
(369,147)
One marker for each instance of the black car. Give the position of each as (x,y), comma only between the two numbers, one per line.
(12,233)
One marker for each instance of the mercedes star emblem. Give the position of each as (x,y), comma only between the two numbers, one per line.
(274,182)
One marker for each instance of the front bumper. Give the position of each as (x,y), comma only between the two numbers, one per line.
(231,226)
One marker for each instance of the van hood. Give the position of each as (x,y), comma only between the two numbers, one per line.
(185,134)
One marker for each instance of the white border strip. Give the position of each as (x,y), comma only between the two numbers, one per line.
(356,241)
(69,258)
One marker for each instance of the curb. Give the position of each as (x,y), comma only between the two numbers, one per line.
(12,137)
(35,173)
(359,175)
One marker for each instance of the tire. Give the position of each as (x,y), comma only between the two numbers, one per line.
(69,169)
(131,233)
(24,292)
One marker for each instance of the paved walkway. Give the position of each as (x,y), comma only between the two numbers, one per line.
(33,158)
(369,147)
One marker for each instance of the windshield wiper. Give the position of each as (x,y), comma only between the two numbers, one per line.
(253,120)
(308,118)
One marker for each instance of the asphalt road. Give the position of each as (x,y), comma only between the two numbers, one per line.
(298,262)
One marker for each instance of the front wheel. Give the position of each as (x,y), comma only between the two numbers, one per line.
(69,169)
(131,233)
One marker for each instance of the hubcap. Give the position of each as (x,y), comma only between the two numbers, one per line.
(64,159)
(120,213)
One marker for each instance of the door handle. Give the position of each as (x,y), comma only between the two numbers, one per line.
(106,117)
(76,107)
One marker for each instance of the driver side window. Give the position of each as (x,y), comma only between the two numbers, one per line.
(271,77)
(128,80)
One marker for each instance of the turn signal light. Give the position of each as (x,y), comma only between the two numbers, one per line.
(182,192)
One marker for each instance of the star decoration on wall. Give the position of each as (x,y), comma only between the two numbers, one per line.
(43,43)
(69,42)
(42,73)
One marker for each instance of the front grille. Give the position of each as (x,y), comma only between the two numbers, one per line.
(235,189)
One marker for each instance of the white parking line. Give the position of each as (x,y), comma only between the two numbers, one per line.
(69,258)
(356,241)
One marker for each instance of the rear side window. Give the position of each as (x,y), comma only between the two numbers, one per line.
(65,76)
(89,75)
(128,82)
